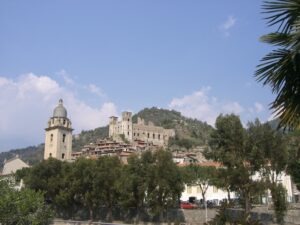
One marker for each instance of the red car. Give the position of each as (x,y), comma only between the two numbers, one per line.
(187,205)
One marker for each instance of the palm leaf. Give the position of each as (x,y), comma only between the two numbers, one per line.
(280,69)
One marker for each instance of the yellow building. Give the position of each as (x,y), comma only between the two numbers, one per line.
(58,137)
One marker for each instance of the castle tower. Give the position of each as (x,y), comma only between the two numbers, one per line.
(113,126)
(127,125)
(58,140)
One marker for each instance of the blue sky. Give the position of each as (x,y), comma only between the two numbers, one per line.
(103,57)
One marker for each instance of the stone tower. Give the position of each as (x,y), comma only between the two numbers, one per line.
(58,140)
(127,125)
(113,126)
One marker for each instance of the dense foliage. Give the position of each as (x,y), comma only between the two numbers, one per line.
(22,207)
(257,151)
(153,180)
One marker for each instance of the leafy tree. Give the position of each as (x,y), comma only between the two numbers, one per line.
(107,173)
(81,184)
(245,153)
(23,207)
(279,201)
(280,69)
(266,149)
(228,146)
(132,184)
(222,181)
(201,176)
(45,176)
(163,180)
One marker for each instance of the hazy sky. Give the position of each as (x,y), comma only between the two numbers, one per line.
(106,56)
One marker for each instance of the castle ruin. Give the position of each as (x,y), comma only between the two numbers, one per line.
(139,131)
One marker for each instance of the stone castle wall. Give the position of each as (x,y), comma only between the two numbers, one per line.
(139,131)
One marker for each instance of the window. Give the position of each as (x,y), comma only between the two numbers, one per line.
(128,133)
(159,137)
(153,136)
(51,137)
(138,134)
(64,122)
(133,134)
(189,189)
(50,154)
(128,119)
(64,137)
(63,155)
(148,135)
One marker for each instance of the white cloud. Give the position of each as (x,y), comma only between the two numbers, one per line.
(227,25)
(204,107)
(66,77)
(232,107)
(95,90)
(27,103)
(258,107)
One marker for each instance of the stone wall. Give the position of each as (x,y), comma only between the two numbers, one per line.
(176,216)
(197,217)
(139,131)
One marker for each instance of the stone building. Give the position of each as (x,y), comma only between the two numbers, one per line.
(58,137)
(10,168)
(138,131)
(12,165)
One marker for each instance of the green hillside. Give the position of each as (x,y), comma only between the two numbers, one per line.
(31,154)
(89,136)
(189,133)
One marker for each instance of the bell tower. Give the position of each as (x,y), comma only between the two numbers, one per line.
(58,138)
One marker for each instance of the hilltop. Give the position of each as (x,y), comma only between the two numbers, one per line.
(189,133)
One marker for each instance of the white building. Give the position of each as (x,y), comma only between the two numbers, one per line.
(213,193)
(12,165)
(10,168)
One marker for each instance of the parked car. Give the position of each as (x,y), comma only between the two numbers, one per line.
(187,205)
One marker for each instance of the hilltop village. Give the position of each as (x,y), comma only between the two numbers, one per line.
(127,138)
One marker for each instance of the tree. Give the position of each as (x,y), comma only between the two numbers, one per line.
(132,185)
(253,157)
(45,176)
(164,183)
(201,176)
(228,146)
(107,173)
(23,207)
(294,156)
(280,69)
(82,184)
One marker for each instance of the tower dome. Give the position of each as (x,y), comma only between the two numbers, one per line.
(60,110)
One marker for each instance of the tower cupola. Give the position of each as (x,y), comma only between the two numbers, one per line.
(60,110)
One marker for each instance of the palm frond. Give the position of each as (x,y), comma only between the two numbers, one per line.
(280,69)
(279,39)
(283,13)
